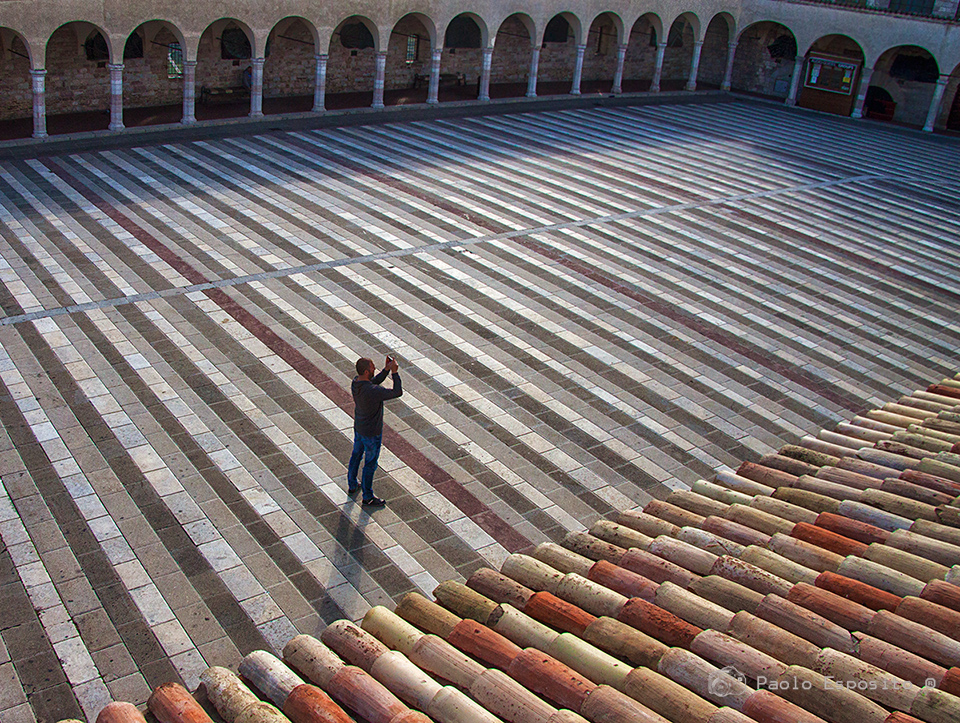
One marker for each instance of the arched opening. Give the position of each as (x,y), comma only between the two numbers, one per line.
(408,61)
(289,68)
(763,64)
(16,113)
(153,75)
(600,56)
(641,57)
(908,76)
(512,51)
(831,75)
(558,54)
(224,72)
(462,60)
(713,54)
(681,37)
(351,67)
(78,81)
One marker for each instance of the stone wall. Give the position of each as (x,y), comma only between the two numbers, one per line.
(16,86)
(400,73)
(511,53)
(73,82)
(754,71)
(713,55)
(600,58)
(291,66)
(641,55)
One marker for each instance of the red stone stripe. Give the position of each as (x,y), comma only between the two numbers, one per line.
(442,481)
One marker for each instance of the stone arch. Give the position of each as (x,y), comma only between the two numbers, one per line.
(351,67)
(289,68)
(713,55)
(224,72)
(464,38)
(763,64)
(641,53)
(154,77)
(908,74)
(830,75)
(16,61)
(412,40)
(512,52)
(681,38)
(558,53)
(602,39)
(77,79)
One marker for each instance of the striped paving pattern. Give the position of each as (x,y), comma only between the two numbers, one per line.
(589,309)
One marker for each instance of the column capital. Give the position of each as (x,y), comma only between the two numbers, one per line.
(943,80)
(662,45)
(189,63)
(257,61)
(38,72)
(382,54)
(115,66)
(321,57)
(436,53)
(698,43)
(623,47)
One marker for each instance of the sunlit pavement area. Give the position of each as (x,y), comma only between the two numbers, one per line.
(589,308)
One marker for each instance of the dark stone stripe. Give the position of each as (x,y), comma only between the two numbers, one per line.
(465,501)
(34,660)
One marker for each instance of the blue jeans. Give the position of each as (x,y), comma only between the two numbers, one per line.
(369,448)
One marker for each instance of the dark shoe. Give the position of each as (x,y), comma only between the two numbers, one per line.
(374,502)
(352,490)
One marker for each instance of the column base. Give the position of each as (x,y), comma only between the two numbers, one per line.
(725,87)
(531,95)
(928,129)
(615,91)
(690,86)
(654,88)
(790,102)
(39,136)
(574,92)
(255,114)
(483,97)
(856,114)
(318,109)
(187,121)
(433,102)
(115,127)
(378,106)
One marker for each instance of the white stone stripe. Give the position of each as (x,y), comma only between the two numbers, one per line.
(145,594)
(79,667)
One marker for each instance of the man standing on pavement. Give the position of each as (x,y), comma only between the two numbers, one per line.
(369,396)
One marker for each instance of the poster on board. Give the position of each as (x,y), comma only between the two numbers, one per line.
(833,75)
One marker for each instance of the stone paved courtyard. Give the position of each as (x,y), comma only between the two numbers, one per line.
(588,308)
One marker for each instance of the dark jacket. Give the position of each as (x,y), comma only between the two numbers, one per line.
(369,397)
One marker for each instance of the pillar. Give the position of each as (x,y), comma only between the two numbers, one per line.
(485,74)
(189,92)
(39,102)
(795,80)
(618,73)
(532,79)
(865,75)
(378,79)
(658,68)
(434,89)
(116,96)
(256,88)
(728,72)
(935,103)
(578,70)
(694,65)
(320,83)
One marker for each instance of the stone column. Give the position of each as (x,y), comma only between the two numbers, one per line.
(189,92)
(658,68)
(795,80)
(728,72)
(857,111)
(320,83)
(256,88)
(39,103)
(378,79)
(433,90)
(578,70)
(694,65)
(935,102)
(532,79)
(116,96)
(618,73)
(485,74)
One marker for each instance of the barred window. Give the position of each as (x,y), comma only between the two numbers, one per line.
(174,61)
(413,48)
